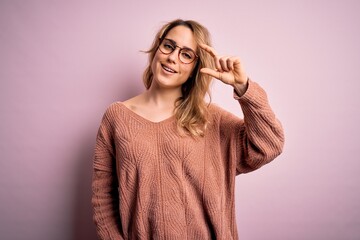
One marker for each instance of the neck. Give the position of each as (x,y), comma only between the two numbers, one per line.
(162,98)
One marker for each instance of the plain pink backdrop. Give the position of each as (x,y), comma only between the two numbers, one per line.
(64,62)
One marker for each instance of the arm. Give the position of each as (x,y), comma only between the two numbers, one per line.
(260,137)
(104,184)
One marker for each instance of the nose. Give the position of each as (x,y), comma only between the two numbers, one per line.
(173,57)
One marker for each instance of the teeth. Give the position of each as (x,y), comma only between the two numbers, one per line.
(168,69)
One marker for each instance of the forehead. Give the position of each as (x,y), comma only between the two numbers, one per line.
(183,36)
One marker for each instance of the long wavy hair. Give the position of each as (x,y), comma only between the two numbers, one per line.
(191,110)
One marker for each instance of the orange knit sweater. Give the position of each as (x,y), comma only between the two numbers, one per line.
(149,182)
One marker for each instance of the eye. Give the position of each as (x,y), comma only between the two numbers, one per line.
(187,55)
(169,46)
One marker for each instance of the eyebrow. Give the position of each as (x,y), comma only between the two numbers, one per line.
(173,42)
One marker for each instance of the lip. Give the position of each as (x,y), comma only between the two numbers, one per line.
(164,66)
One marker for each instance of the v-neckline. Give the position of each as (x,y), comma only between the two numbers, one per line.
(143,119)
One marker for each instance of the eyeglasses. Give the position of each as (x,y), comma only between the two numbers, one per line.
(186,55)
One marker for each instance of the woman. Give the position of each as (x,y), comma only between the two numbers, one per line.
(165,161)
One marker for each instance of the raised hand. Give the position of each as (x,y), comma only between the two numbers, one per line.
(228,70)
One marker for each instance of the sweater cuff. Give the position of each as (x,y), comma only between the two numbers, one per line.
(248,89)
(254,95)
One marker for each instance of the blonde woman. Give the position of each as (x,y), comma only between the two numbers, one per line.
(165,161)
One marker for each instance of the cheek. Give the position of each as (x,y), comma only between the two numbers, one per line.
(154,63)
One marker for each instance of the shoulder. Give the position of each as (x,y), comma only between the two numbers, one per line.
(217,112)
(114,111)
(223,122)
(221,118)
(114,107)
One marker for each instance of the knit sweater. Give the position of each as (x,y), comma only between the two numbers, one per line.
(151,182)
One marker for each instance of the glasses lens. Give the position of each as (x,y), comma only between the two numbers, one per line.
(187,56)
(167,47)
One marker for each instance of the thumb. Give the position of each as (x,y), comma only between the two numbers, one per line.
(211,72)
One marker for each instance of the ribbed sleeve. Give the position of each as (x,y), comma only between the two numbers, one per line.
(104,185)
(259,137)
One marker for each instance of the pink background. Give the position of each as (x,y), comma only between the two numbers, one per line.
(64,62)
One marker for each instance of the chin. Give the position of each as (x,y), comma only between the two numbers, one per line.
(166,82)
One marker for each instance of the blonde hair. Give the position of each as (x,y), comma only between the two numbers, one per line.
(191,110)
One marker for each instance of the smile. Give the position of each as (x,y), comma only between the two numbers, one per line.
(168,69)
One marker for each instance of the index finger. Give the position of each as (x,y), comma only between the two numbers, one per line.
(208,49)
(213,53)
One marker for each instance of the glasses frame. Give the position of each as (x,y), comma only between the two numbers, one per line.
(176,46)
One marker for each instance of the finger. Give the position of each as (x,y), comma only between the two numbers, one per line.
(213,53)
(218,64)
(210,72)
(236,63)
(230,63)
(208,49)
(223,63)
